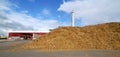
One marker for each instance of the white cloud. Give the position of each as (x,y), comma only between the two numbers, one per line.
(93,11)
(46,11)
(4,5)
(30,21)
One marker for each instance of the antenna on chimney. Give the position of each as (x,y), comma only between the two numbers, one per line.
(72,18)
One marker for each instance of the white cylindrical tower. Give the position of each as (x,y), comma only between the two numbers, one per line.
(72,18)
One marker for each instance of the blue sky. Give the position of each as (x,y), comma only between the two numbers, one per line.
(42,15)
(35,7)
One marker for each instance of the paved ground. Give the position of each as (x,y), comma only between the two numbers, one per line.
(9,44)
(36,53)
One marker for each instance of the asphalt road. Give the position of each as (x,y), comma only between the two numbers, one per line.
(38,53)
(9,44)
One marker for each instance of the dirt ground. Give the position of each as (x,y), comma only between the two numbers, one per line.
(38,53)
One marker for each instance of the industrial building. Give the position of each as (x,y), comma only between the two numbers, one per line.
(25,35)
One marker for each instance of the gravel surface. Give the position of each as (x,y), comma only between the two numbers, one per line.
(38,53)
(4,45)
(82,53)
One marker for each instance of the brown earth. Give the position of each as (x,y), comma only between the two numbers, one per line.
(101,36)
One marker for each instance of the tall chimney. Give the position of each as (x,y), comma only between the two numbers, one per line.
(72,18)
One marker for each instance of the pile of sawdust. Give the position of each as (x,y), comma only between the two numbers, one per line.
(101,36)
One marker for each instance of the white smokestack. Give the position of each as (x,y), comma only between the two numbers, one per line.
(72,18)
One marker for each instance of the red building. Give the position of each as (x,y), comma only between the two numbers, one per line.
(25,34)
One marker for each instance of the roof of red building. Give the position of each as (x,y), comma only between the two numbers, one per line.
(29,31)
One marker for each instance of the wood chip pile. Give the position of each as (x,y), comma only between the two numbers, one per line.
(101,36)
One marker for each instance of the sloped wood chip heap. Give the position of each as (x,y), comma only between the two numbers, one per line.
(101,36)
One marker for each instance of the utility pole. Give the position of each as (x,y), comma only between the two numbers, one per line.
(72,18)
